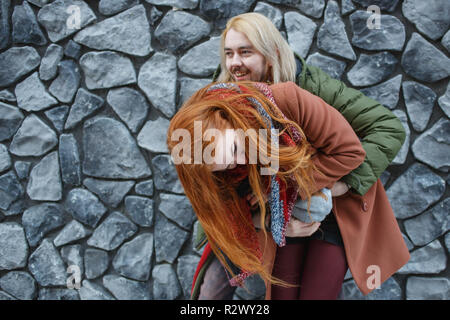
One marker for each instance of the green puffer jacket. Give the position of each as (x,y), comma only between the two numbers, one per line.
(380,131)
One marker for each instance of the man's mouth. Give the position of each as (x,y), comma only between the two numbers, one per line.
(240,74)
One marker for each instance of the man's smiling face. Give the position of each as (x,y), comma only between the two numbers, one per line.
(243,61)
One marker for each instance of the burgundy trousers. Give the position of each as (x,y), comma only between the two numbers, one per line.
(316,267)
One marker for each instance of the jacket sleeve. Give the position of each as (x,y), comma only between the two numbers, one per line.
(338,149)
(380,131)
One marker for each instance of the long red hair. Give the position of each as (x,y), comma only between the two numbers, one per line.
(212,194)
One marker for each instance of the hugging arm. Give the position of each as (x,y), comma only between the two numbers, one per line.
(338,149)
(380,131)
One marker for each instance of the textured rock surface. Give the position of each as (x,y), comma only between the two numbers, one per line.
(415,191)
(157,78)
(112,232)
(207,52)
(178,30)
(428,17)
(16,62)
(5,159)
(45,183)
(32,96)
(33,138)
(85,175)
(84,206)
(25,26)
(220,11)
(389,290)
(49,63)
(125,289)
(420,288)
(115,70)
(444,102)
(433,146)
(110,192)
(133,260)
(387,93)
(390,36)
(424,61)
(66,84)
(127,32)
(130,105)
(166,178)
(10,119)
(165,283)
(372,69)
(335,68)
(419,101)
(400,158)
(41,219)
(19,284)
(429,225)
(84,105)
(95,262)
(47,266)
(430,259)
(69,159)
(117,157)
(140,210)
(273,13)
(13,246)
(385,5)
(168,239)
(10,189)
(60,21)
(300,32)
(332,36)
(153,135)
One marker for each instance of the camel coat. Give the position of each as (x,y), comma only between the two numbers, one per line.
(373,243)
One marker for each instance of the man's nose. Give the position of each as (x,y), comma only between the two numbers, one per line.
(237,61)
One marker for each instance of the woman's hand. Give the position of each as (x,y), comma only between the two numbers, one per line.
(339,189)
(297,228)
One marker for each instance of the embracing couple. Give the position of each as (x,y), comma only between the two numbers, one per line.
(324,211)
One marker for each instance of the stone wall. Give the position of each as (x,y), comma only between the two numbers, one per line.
(87,88)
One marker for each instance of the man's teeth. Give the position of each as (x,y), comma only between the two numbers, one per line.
(240,74)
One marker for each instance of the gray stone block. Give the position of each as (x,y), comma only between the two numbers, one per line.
(40,219)
(134,258)
(131,33)
(45,183)
(112,232)
(20,284)
(47,266)
(117,156)
(13,246)
(33,138)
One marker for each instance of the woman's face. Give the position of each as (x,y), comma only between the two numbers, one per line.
(242,60)
(229,151)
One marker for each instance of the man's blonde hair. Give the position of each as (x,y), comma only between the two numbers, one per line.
(266,39)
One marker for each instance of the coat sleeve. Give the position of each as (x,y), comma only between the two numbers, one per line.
(339,150)
(380,131)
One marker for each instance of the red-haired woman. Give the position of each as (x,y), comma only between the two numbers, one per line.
(315,147)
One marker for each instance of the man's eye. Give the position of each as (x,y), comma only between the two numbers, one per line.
(246,52)
(228,54)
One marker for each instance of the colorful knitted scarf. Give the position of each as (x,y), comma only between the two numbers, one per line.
(281,196)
